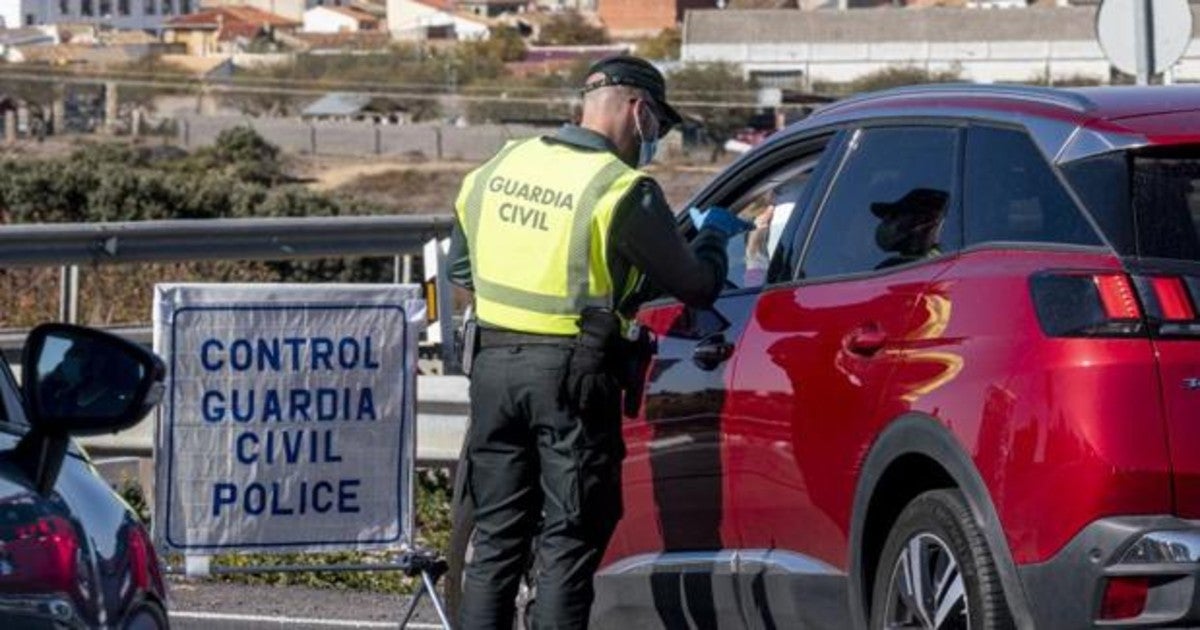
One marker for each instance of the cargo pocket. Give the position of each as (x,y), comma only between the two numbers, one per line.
(561,484)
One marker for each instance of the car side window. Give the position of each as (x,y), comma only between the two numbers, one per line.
(769,205)
(892,203)
(1012,194)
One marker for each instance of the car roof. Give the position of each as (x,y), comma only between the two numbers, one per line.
(1116,117)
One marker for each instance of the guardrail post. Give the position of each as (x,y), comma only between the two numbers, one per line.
(58,110)
(437,131)
(111,107)
(68,294)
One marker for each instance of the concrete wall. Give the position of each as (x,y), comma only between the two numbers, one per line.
(979,61)
(470,144)
(986,44)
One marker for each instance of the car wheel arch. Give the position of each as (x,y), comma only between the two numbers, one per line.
(907,444)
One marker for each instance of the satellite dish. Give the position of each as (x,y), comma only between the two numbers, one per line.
(1144,37)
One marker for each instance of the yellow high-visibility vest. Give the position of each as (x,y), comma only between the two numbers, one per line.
(536,218)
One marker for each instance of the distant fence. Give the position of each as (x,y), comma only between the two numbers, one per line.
(434,142)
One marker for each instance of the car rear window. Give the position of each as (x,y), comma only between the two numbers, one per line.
(1166,207)
(1147,202)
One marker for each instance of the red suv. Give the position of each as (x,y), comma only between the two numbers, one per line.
(954,380)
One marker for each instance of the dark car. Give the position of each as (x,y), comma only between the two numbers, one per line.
(72,552)
(953,381)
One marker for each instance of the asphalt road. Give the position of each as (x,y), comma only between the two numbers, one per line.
(197,605)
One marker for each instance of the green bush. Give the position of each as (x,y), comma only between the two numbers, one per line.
(570,28)
(890,77)
(241,175)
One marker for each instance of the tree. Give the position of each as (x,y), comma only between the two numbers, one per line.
(890,77)
(503,43)
(663,46)
(718,84)
(571,29)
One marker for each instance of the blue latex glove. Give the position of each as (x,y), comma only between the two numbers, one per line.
(719,219)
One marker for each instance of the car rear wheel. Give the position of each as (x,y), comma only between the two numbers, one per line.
(936,571)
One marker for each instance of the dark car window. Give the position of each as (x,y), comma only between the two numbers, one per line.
(1101,183)
(1165,198)
(1012,194)
(769,205)
(892,203)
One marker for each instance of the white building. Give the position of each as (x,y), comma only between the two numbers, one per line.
(433,19)
(790,48)
(120,14)
(337,19)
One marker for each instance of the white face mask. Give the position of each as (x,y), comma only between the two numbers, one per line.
(648,147)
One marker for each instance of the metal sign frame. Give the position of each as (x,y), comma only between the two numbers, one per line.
(412,561)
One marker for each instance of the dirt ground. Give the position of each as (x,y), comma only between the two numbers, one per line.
(430,187)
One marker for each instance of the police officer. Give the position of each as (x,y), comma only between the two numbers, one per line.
(552,236)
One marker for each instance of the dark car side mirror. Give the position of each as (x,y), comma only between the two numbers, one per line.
(80,381)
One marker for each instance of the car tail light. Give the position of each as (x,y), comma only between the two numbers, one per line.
(1174,302)
(1114,304)
(40,556)
(1124,597)
(1081,304)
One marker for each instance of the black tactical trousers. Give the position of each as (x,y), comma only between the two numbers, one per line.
(530,456)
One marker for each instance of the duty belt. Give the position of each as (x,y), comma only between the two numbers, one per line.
(493,337)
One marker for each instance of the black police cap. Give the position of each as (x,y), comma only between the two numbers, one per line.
(635,72)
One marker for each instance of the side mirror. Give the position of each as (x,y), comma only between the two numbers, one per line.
(80,381)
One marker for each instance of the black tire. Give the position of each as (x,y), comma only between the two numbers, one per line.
(148,616)
(462,524)
(938,531)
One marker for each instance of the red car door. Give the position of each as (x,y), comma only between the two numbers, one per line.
(678,524)
(813,379)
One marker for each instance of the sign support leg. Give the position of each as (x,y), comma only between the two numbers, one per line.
(430,568)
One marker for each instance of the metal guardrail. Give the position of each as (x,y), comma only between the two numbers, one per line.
(273,238)
(442,405)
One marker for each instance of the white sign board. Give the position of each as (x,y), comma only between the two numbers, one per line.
(288,419)
(1139,46)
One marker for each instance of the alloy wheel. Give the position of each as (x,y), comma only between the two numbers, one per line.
(926,589)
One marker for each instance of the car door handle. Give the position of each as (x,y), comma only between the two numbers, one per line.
(866,340)
(711,352)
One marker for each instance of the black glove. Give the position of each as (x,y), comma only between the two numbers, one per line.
(589,380)
(589,385)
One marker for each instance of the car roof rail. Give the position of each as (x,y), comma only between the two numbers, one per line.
(1050,96)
